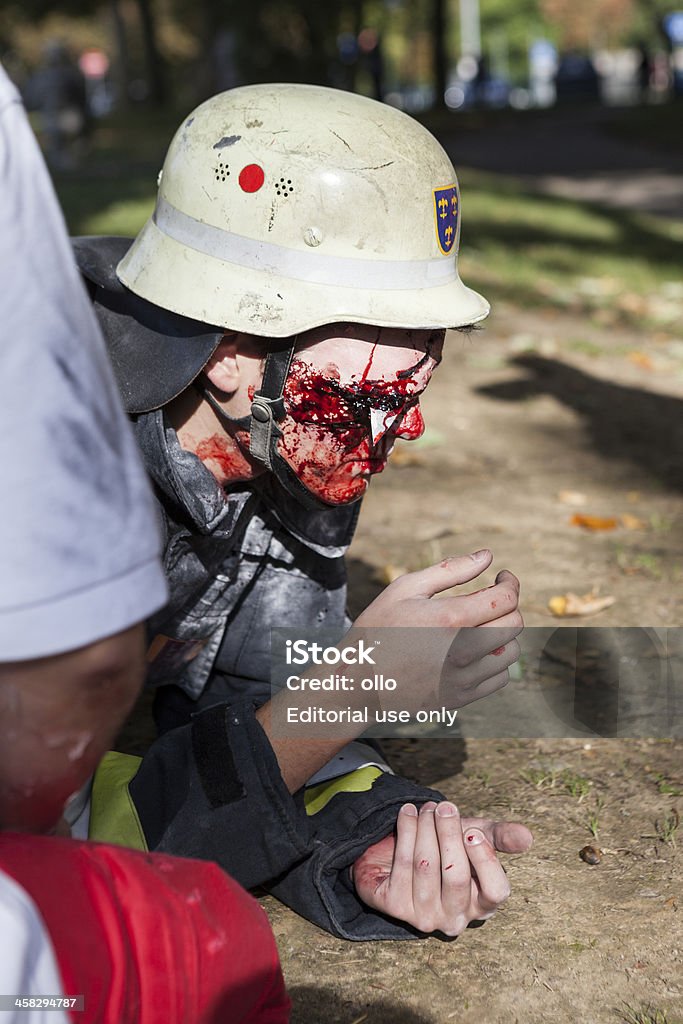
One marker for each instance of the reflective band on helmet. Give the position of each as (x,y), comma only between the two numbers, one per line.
(317,267)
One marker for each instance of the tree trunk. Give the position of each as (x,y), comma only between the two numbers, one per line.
(439,44)
(121,62)
(155,69)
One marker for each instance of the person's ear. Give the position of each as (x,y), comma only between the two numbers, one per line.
(223,369)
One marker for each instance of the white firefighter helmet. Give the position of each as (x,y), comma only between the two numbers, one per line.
(286,207)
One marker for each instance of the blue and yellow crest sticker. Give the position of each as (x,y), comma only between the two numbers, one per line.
(446,217)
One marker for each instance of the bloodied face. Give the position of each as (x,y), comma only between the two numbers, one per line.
(351,391)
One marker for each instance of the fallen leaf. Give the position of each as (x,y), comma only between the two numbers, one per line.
(569,604)
(632,522)
(593,522)
(572,498)
(641,359)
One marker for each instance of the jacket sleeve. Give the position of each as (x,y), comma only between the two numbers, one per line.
(213,790)
(320,887)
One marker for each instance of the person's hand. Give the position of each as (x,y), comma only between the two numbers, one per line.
(452,662)
(441,871)
(449,662)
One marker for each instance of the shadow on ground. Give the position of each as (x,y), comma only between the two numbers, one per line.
(313,1005)
(622,422)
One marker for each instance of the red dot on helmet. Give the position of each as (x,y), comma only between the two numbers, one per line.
(251,178)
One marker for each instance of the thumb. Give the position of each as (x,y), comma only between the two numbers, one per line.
(450,572)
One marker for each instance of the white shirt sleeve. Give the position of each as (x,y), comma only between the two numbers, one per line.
(79,539)
(27,961)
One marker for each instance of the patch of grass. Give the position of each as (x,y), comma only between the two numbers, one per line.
(538,250)
(484,778)
(665,787)
(648,1015)
(113,190)
(581,947)
(593,822)
(661,524)
(632,562)
(566,781)
(577,786)
(650,564)
(585,347)
(541,778)
(667,828)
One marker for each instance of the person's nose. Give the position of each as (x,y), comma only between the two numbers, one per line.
(412,425)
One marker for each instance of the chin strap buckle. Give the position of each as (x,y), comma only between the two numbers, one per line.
(265,414)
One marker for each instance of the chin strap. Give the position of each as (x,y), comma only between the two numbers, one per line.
(267,411)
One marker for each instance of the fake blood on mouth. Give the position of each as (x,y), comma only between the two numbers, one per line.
(341,455)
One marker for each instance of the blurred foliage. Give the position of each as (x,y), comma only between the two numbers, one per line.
(588,24)
(614,265)
(187,49)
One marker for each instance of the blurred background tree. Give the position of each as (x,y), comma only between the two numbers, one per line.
(177,51)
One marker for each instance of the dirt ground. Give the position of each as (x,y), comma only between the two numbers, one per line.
(516,417)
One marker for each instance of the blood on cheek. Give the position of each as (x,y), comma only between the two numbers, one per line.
(323,441)
(325,460)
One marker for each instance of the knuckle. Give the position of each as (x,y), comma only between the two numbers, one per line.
(422,865)
(445,613)
(455,927)
(402,859)
(505,890)
(515,651)
(458,659)
(461,880)
(427,922)
(498,893)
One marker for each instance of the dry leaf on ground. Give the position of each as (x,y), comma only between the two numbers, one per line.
(564,605)
(641,359)
(594,522)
